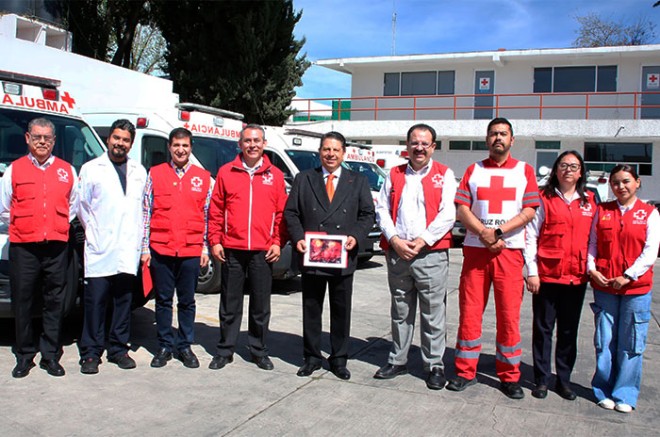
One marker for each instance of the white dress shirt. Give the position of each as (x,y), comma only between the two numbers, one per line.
(411,212)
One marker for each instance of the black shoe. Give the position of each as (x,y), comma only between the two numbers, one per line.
(188,358)
(52,366)
(23,367)
(123,361)
(565,392)
(220,361)
(341,372)
(512,390)
(436,379)
(459,383)
(540,391)
(309,368)
(89,366)
(161,358)
(389,371)
(263,362)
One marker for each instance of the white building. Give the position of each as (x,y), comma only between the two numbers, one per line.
(603,102)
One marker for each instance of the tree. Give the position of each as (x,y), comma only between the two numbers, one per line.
(104,29)
(238,55)
(595,31)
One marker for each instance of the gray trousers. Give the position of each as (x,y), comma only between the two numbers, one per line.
(423,278)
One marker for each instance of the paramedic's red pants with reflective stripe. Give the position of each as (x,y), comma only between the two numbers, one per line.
(503,270)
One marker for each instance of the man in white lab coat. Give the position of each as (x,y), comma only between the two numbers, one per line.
(111,189)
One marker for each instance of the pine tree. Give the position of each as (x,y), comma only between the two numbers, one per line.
(238,55)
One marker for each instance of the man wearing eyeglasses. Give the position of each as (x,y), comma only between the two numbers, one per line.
(497,197)
(39,193)
(416,213)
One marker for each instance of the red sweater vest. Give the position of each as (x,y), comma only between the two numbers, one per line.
(40,201)
(432,185)
(563,240)
(177,217)
(621,240)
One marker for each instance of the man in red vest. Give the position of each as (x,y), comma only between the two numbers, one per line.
(175,209)
(244,233)
(39,193)
(416,213)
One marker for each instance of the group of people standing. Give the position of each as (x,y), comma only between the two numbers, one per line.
(175,217)
(562,238)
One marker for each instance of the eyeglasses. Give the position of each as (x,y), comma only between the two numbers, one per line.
(44,138)
(565,166)
(415,144)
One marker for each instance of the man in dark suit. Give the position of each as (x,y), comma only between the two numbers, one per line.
(336,201)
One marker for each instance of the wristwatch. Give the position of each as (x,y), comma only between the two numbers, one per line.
(499,233)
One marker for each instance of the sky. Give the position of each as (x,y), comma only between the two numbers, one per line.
(352,28)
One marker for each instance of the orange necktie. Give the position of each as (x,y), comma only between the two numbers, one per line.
(330,187)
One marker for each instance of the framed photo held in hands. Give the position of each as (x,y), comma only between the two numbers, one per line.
(325,250)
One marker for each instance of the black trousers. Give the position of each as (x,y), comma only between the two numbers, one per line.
(34,267)
(340,291)
(238,265)
(560,304)
(98,291)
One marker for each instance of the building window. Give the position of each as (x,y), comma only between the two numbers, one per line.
(418,83)
(391,86)
(446,82)
(575,79)
(467,145)
(604,156)
(459,145)
(422,83)
(548,145)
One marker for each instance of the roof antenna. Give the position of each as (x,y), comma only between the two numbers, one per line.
(393,27)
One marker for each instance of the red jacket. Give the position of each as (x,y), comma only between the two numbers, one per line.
(245,212)
(432,185)
(564,239)
(181,201)
(621,240)
(40,201)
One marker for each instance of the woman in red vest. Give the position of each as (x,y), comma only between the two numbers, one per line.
(556,257)
(623,247)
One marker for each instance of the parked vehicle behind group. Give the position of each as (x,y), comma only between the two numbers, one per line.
(23,98)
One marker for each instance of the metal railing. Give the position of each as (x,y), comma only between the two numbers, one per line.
(538,106)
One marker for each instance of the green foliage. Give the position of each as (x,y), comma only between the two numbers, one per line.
(238,55)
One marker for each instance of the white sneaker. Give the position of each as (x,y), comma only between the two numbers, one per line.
(623,408)
(608,404)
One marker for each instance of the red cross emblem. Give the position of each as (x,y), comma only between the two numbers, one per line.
(653,78)
(484,82)
(496,194)
(66,98)
(267,178)
(640,214)
(62,175)
(586,207)
(437,180)
(196,182)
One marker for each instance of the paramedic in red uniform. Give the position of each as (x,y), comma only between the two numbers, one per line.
(623,247)
(244,233)
(495,200)
(416,212)
(176,192)
(39,192)
(556,259)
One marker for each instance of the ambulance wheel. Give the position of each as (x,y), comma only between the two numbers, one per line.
(209,278)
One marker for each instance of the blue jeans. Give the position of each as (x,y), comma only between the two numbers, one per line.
(622,322)
(172,273)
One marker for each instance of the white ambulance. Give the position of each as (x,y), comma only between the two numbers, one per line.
(23,98)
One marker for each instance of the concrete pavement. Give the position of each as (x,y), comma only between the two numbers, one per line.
(244,400)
